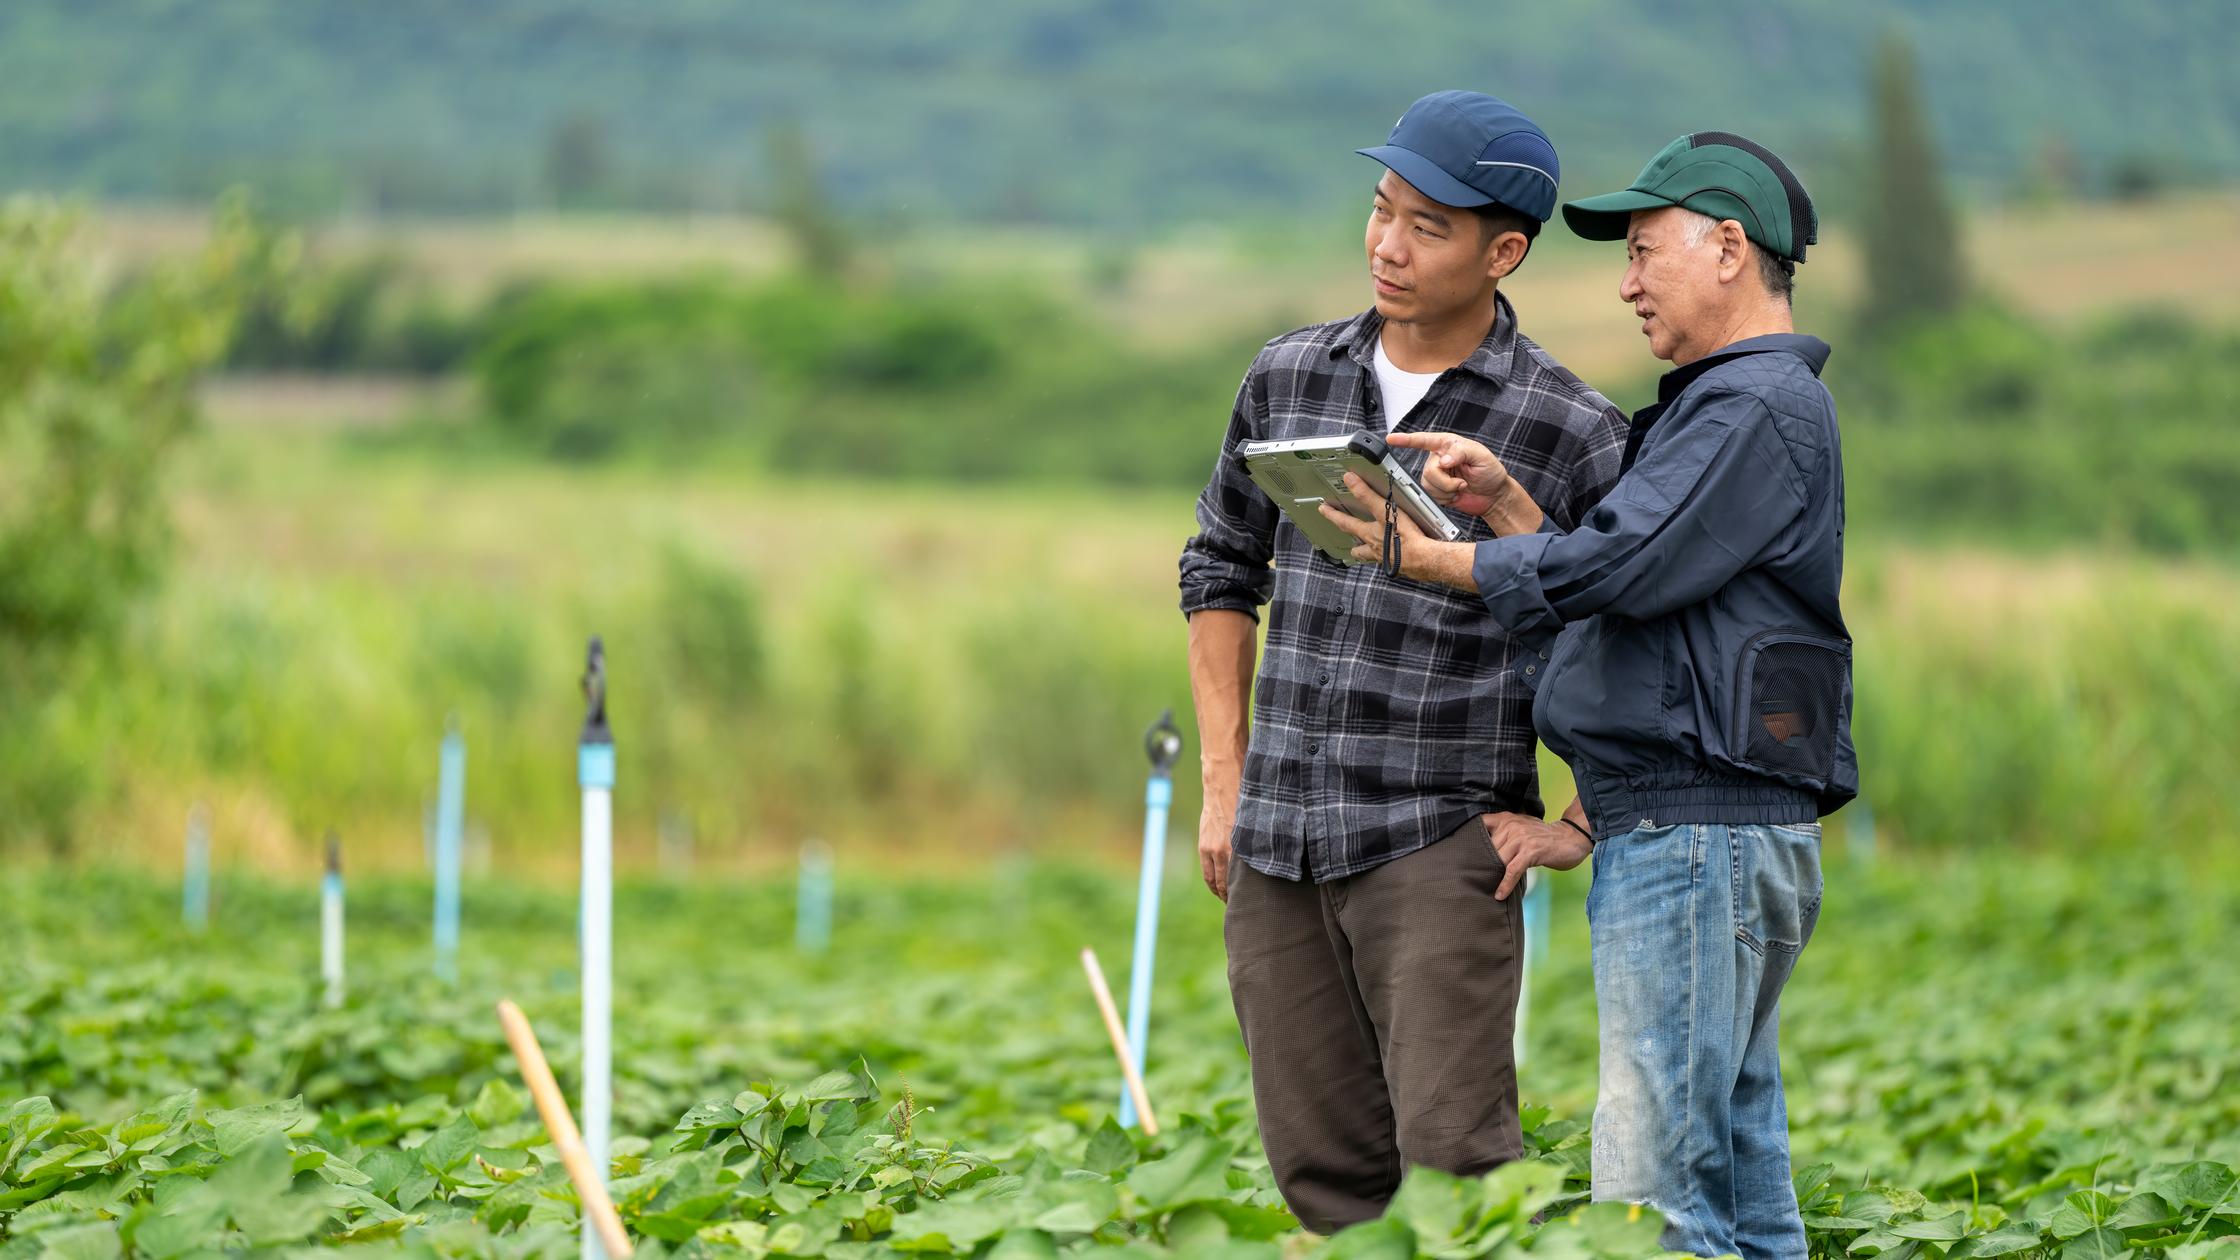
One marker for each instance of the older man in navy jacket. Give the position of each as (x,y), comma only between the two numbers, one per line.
(1694,671)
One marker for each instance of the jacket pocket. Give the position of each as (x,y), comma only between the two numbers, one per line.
(1792,702)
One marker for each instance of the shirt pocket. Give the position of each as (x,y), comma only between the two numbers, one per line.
(1792,700)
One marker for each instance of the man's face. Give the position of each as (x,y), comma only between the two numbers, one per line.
(1429,262)
(1671,284)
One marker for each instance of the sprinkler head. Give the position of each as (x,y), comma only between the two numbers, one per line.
(1163,742)
(595,694)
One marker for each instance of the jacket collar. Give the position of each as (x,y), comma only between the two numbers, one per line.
(1811,349)
(1672,384)
(1494,359)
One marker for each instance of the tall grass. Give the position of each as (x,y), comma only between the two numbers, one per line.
(936,673)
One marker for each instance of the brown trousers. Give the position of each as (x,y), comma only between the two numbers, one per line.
(1379,1012)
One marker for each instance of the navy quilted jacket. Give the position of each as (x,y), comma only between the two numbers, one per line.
(1693,662)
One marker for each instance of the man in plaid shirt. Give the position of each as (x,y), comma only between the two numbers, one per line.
(1374,952)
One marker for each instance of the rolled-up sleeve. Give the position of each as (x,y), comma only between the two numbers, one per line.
(1700,505)
(1226,564)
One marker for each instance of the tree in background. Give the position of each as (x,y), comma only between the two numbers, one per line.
(578,165)
(800,203)
(1914,265)
(96,391)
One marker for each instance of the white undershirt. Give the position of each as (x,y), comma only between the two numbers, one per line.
(1401,390)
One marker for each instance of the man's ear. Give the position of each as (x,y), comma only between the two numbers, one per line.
(1504,253)
(1734,251)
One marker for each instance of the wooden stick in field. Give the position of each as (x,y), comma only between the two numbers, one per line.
(598,1209)
(1119,1041)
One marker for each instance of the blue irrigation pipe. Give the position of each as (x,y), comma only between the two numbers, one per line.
(1539,902)
(330,922)
(1163,744)
(1537,906)
(451,809)
(195,886)
(812,900)
(595,774)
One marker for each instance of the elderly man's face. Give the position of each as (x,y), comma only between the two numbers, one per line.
(1672,285)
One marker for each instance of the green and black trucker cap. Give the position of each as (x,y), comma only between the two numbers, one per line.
(1717,173)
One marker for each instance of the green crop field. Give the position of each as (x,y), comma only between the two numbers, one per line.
(1987,1055)
(855,585)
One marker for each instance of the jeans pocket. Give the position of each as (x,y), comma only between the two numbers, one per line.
(1777,886)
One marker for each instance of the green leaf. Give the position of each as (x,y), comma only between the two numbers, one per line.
(2095,1244)
(1380,1239)
(20,1123)
(1620,1229)
(2200,1184)
(1947,1228)
(2217,1249)
(93,1240)
(2004,1240)
(710,1115)
(1250,1221)
(449,1146)
(791,1198)
(414,1190)
(52,1165)
(2081,1212)
(233,1130)
(1024,1244)
(2143,1211)
(497,1104)
(1111,1152)
(1196,1229)
(1520,1189)
(853,1083)
(1077,1206)
(946,1227)
(1438,1207)
(1194,1172)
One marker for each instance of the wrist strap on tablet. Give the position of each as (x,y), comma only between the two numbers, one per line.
(1392,537)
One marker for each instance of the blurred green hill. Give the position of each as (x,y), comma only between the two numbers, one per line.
(1140,113)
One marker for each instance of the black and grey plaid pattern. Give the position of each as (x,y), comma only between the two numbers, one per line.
(1386,710)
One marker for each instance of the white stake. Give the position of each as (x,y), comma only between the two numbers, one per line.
(595,772)
(330,922)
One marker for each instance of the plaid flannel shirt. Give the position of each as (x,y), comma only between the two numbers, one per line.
(1387,712)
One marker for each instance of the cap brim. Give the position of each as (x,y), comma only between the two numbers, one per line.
(1606,218)
(1426,177)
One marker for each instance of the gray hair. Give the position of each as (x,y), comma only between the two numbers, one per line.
(1778,275)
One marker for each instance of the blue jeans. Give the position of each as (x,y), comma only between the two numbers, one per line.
(1695,929)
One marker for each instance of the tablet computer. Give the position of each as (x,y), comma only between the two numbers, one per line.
(1302,474)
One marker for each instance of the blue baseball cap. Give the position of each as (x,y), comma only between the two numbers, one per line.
(1468,149)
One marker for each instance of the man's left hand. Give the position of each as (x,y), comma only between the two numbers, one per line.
(1524,843)
(1421,556)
